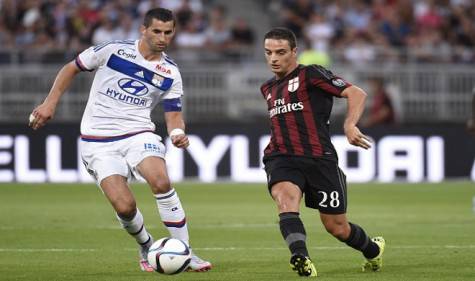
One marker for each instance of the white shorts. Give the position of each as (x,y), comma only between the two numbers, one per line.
(120,157)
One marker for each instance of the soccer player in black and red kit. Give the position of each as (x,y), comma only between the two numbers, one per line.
(300,158)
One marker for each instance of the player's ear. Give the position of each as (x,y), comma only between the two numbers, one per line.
(294,51)
(142,29)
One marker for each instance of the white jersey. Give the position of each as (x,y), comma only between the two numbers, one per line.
(125,89)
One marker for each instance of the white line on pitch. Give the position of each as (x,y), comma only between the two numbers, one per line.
(340,247)
(151,226)
(47,250)
(247,249)
(330,247)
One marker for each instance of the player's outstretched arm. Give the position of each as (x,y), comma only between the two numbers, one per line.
(356,99)
(176,129)
(45,111)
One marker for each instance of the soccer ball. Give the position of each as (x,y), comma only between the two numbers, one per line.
(169,256)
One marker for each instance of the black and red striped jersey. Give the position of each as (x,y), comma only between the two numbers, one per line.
(299,107)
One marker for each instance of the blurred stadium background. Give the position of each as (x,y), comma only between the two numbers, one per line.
(424,49)
(423,52)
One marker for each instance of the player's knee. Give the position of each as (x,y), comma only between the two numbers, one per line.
(286,202)
(338,230)
(126,210)
(160,185)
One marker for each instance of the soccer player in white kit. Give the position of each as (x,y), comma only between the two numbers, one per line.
(118,140)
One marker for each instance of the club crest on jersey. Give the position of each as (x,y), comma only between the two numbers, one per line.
(157,80)
(293,84)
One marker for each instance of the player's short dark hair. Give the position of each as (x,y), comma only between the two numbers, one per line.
(160,14)
(282,33)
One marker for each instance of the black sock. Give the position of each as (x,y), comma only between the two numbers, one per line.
(293,231)
(360,241)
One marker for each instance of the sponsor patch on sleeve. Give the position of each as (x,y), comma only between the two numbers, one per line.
(338,82)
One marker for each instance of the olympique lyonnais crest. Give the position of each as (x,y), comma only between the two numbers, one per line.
(157,80)
(293,84)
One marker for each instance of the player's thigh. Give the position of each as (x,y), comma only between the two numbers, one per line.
(117,191)
(103,160)
(326,187)
(284,177)
(287,196)
(142,146)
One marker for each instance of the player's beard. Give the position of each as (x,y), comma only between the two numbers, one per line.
(156,48)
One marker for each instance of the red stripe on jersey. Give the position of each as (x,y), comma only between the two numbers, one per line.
(320,83)
(309,118)
(265,91)
(291,122)
(105,138)
(276,132)
(81,65)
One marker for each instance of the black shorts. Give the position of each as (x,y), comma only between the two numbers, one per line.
(322,182)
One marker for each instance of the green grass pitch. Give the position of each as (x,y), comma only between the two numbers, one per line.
(69,232)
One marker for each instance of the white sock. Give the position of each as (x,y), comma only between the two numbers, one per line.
(136,228)
(173,215)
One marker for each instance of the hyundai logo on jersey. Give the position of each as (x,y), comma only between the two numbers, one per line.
(133,87)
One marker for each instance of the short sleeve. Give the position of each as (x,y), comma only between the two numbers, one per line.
(93,57)
(176,90)
(324,79)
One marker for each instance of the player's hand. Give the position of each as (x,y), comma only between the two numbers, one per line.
(180,141)
(41,114)
(356,138)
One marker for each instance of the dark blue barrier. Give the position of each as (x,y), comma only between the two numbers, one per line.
(233,151)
